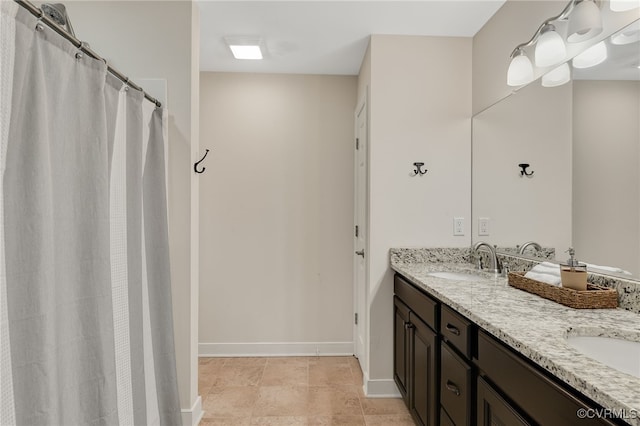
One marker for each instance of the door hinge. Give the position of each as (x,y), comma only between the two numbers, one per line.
(357,231)
(356,315)
(357,143)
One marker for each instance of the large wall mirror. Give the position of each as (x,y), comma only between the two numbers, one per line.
(582,143)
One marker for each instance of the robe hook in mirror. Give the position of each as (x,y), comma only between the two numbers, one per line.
(195,166)
(524,172)
(418,170)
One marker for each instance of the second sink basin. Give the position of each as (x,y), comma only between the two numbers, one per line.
(456,276)
(622,355)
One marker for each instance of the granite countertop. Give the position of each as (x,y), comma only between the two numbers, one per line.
(537,328)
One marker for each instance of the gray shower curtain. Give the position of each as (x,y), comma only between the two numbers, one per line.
(85,300)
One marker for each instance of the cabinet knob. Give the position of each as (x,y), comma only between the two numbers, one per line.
(452,387)
(408,326)
(452,329)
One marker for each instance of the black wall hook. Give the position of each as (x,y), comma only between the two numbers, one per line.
(523,172)
(418,170)
(195,166)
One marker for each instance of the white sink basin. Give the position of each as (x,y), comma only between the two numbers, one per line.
(623,355)
(456,276)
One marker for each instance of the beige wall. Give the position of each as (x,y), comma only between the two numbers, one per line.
(531,126)
(161,45)
(277,213)
(420,110)
(606,190)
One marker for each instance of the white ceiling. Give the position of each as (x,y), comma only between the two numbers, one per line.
(326,37)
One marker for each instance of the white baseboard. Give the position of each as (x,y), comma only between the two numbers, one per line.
(275,349)
(193,416)
(380,388)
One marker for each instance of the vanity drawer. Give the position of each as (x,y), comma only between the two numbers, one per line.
(455,386)
(456,330)
(540,397)
(422,305)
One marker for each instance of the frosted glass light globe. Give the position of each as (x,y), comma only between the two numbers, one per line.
(550,48)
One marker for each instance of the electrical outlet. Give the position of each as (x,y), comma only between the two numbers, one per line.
(483,226)
(458,226)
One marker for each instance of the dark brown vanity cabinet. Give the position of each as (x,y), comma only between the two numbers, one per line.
(416,351)
(453,373)
(537,396)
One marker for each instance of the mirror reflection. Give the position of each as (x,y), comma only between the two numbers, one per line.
(581,144)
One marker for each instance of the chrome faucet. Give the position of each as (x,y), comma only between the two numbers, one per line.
(533,244)
(492,254)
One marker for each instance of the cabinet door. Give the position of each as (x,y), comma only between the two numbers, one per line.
(401,347)
(493,410)
(424,373)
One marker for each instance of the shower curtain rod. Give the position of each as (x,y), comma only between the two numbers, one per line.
(36,11)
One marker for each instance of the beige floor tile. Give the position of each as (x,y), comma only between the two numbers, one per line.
(377,406)
(288,360)
(230,402)
(244,362)
(334,401)
(225,421)
(330,374)
(279,421)
(249,375)
(281,401)
(285,374)
(336,421)
(389,420)
(330,360)
(205,383)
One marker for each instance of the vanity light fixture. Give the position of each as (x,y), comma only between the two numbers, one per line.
(593,56)
(557,76)
(623,5)
(550,48)
(520,70)
(585,22)
(245,47)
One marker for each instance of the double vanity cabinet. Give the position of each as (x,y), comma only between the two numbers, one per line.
(452,372)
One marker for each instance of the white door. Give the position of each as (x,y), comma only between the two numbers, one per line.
(360,233)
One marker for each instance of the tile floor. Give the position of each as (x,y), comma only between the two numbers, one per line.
(292,391)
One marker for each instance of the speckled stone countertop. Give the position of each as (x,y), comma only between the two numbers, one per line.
(533,326)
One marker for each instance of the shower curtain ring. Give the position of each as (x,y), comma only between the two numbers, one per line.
(39,24)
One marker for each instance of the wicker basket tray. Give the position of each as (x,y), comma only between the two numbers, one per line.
(595,297)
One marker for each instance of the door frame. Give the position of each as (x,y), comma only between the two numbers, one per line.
(363,317)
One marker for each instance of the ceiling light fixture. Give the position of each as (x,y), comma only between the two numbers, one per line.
(245,47)
(520,70)
(557,76)
(246,52)
(623,5)
(591,57)
(585,22)
(550,48)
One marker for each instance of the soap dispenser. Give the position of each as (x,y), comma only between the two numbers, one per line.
(573,273)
